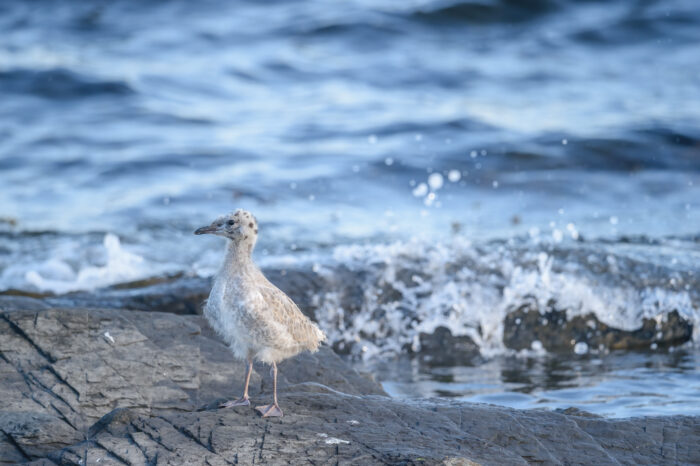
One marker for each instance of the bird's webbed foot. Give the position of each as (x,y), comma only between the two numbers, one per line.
(239,402)
(272,410)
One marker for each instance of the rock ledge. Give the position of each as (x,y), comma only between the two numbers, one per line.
(110,386)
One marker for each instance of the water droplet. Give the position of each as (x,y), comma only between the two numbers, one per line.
(454,176)
(557,235)
(435,181)
(420,190)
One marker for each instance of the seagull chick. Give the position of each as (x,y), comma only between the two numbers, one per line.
(254,317)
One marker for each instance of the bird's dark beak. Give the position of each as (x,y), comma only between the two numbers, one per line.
(205,230)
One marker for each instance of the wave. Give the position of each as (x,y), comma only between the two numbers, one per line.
(483,11)
(58,83)
(657,149)
(111,264)
(406,290)
(639,24)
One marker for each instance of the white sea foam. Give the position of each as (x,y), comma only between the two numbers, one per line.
(111,264)
(470,290)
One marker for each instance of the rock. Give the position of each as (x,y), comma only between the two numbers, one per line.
(342,429)
(63,369)
(12,302)
(441,348)
(177,295)
(133,387)
(558,333)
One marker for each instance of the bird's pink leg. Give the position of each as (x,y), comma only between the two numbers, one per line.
(242,401)
(274,409)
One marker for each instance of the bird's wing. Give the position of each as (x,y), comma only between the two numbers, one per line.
(286,312)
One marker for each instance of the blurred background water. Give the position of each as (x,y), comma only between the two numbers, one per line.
(359,126)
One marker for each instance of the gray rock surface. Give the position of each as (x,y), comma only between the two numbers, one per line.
(332,428)
(128,387)
(63,369)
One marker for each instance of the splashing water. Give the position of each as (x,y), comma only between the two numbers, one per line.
(56,275)
(409,288)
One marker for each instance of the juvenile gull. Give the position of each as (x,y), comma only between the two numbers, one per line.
(257,320)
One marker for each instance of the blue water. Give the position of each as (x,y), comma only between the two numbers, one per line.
(360,124)
(613,385)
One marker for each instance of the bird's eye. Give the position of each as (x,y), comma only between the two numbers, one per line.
(230,222)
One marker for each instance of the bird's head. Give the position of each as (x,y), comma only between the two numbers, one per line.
(240,226)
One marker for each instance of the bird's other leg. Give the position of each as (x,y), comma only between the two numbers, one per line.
(242,401)
(274,409)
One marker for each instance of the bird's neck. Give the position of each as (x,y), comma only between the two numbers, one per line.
(238,256)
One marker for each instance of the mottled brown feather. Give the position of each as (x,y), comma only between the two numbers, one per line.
(287,313)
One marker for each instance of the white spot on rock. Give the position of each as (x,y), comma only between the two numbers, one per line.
(336,441)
